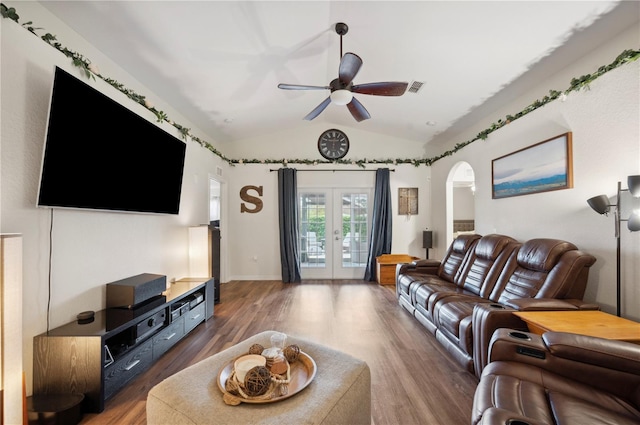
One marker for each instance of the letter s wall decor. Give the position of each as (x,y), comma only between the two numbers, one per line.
(245,196)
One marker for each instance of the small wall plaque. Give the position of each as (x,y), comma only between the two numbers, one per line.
(408,201)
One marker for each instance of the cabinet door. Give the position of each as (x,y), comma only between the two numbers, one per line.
(167,337)
(127,368)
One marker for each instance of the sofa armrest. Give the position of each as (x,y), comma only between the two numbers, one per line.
(486,318)
(427,263)
(418,267)
(610,354)
(549,304)
(607,365)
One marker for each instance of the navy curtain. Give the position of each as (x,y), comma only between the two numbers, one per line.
(288,214)
(380,237)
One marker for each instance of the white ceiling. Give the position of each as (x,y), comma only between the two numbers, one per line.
(219,63)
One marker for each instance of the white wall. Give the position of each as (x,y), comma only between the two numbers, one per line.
(606,149)
(254,251)
(89,249)
(463,203)
(302,142)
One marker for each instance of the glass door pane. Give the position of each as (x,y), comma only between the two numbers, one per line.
(354,217)
(312,234)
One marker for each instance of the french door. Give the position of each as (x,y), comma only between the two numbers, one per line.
(334,232)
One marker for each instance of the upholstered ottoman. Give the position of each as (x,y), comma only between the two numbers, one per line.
(340,393)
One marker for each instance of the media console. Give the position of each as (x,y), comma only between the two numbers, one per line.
(98,357)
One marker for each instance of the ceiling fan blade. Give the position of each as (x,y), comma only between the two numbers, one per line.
(301,87)
(358,111)
(311,115)
(349,66)
(390,88)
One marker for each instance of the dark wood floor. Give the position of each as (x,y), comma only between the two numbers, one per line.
(413,379)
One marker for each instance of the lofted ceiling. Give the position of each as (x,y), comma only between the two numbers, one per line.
(219,62)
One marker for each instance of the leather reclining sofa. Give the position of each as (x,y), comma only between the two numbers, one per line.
(558,378)
(482,280)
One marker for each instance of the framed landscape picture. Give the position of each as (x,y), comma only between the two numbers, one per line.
(542,167)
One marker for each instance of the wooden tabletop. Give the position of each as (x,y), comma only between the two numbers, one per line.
(395,258)
(592,323)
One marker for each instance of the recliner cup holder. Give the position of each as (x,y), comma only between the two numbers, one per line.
(497,306)
(519,335)
(516,422)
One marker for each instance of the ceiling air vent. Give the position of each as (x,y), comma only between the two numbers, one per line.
(415,87)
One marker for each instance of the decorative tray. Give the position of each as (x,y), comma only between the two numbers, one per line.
(302,372)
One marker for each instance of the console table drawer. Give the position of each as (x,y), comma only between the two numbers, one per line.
(167,337)
(194,317)
(126,368)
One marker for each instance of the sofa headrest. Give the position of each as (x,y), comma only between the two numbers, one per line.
(490,246)
(543,254)
(463,242)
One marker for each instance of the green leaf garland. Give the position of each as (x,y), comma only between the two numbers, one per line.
(90,70)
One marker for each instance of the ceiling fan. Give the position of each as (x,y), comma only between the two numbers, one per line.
(342,88)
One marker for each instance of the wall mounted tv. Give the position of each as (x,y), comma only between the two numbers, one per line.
(100,155)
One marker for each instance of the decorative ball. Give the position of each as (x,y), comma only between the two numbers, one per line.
(291,353)
(256,349)
(257,381)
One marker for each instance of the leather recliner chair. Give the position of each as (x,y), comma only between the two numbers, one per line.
(558,378)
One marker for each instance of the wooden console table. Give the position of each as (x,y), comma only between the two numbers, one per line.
(591,323)
(386,267)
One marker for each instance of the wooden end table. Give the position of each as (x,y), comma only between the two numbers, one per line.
(386,267)
(591,323)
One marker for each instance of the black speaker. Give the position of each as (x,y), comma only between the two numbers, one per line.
(135,290)
(427,239)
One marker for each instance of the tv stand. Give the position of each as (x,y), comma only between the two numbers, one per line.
(99,358)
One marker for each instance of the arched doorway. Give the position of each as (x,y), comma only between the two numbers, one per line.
(460,204)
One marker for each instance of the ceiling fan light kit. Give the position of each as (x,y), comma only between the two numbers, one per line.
(342,88)
(341,97)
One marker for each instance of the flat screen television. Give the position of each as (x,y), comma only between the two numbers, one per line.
(100,155)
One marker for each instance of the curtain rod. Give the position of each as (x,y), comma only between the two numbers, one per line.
(376,169)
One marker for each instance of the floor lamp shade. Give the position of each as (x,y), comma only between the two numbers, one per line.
(600,204)
(633,183)
(633,224)
(11,376)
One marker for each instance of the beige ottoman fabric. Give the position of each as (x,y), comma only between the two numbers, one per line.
(339,394)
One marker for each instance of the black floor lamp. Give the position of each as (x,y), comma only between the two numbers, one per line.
(601,205)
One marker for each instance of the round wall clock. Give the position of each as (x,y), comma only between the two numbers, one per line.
(333,144)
